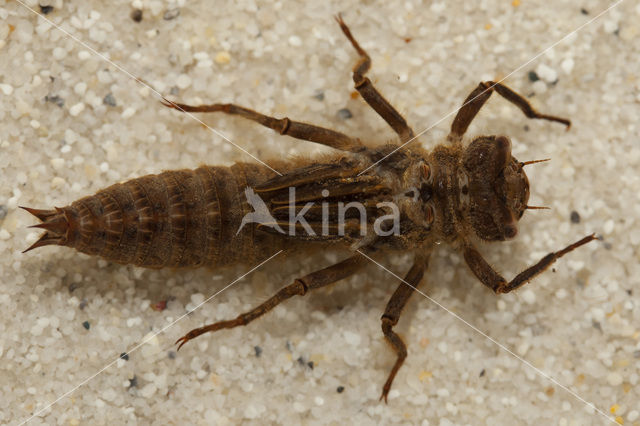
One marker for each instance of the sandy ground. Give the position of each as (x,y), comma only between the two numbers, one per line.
(72,123)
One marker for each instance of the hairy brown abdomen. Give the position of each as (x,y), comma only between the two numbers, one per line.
(177,218)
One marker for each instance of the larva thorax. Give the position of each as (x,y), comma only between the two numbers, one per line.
(456,190)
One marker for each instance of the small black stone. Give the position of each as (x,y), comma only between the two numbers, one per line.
(124,356)
(344,114)
(86,325)
(482,373)
(300,360)
(526,128)
(3,211)
(171,14)
(629,292)
(340,389)
(83,304)
(258,350)
(109,100)
(319,95)
(46,9)
(171,354)
(55,99)
(533,76)
(575,217)
(136,15)
(133,382)
(72,287)
(310,364)
(584,11)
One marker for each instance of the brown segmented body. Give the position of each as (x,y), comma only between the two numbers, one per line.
(178,218)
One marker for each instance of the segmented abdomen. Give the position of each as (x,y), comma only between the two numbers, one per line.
(177,218)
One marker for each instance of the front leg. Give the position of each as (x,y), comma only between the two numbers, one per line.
(489,277)
(392,315)
(477,99)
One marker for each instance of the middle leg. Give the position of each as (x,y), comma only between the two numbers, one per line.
(391,316)
(370,94)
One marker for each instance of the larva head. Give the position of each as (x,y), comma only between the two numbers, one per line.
(498,188)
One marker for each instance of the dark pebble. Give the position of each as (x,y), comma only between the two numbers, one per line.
(171,14)
(55,99)
(575,217)
(526,128)
(340,389)
(109,100)
(482,373)
(86,325)
(289,346)
(258,350)
(46,9)
(630,292)
(124,356)
(310,364)
(300,360)
(319,95)
(136,15)
(3,211)
(584,11)
(83,304)
(172,354)
(533,76)
(133,382)
(596,325)
(344,114)
(72,287)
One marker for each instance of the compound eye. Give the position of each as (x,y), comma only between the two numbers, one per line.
(510,230)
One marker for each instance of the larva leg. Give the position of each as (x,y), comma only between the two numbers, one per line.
(299,287)
(489,277)
(284,126)
(479,96)
(392,315)
(370,94)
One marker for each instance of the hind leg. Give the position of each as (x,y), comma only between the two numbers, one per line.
(299,287)
(284,126)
